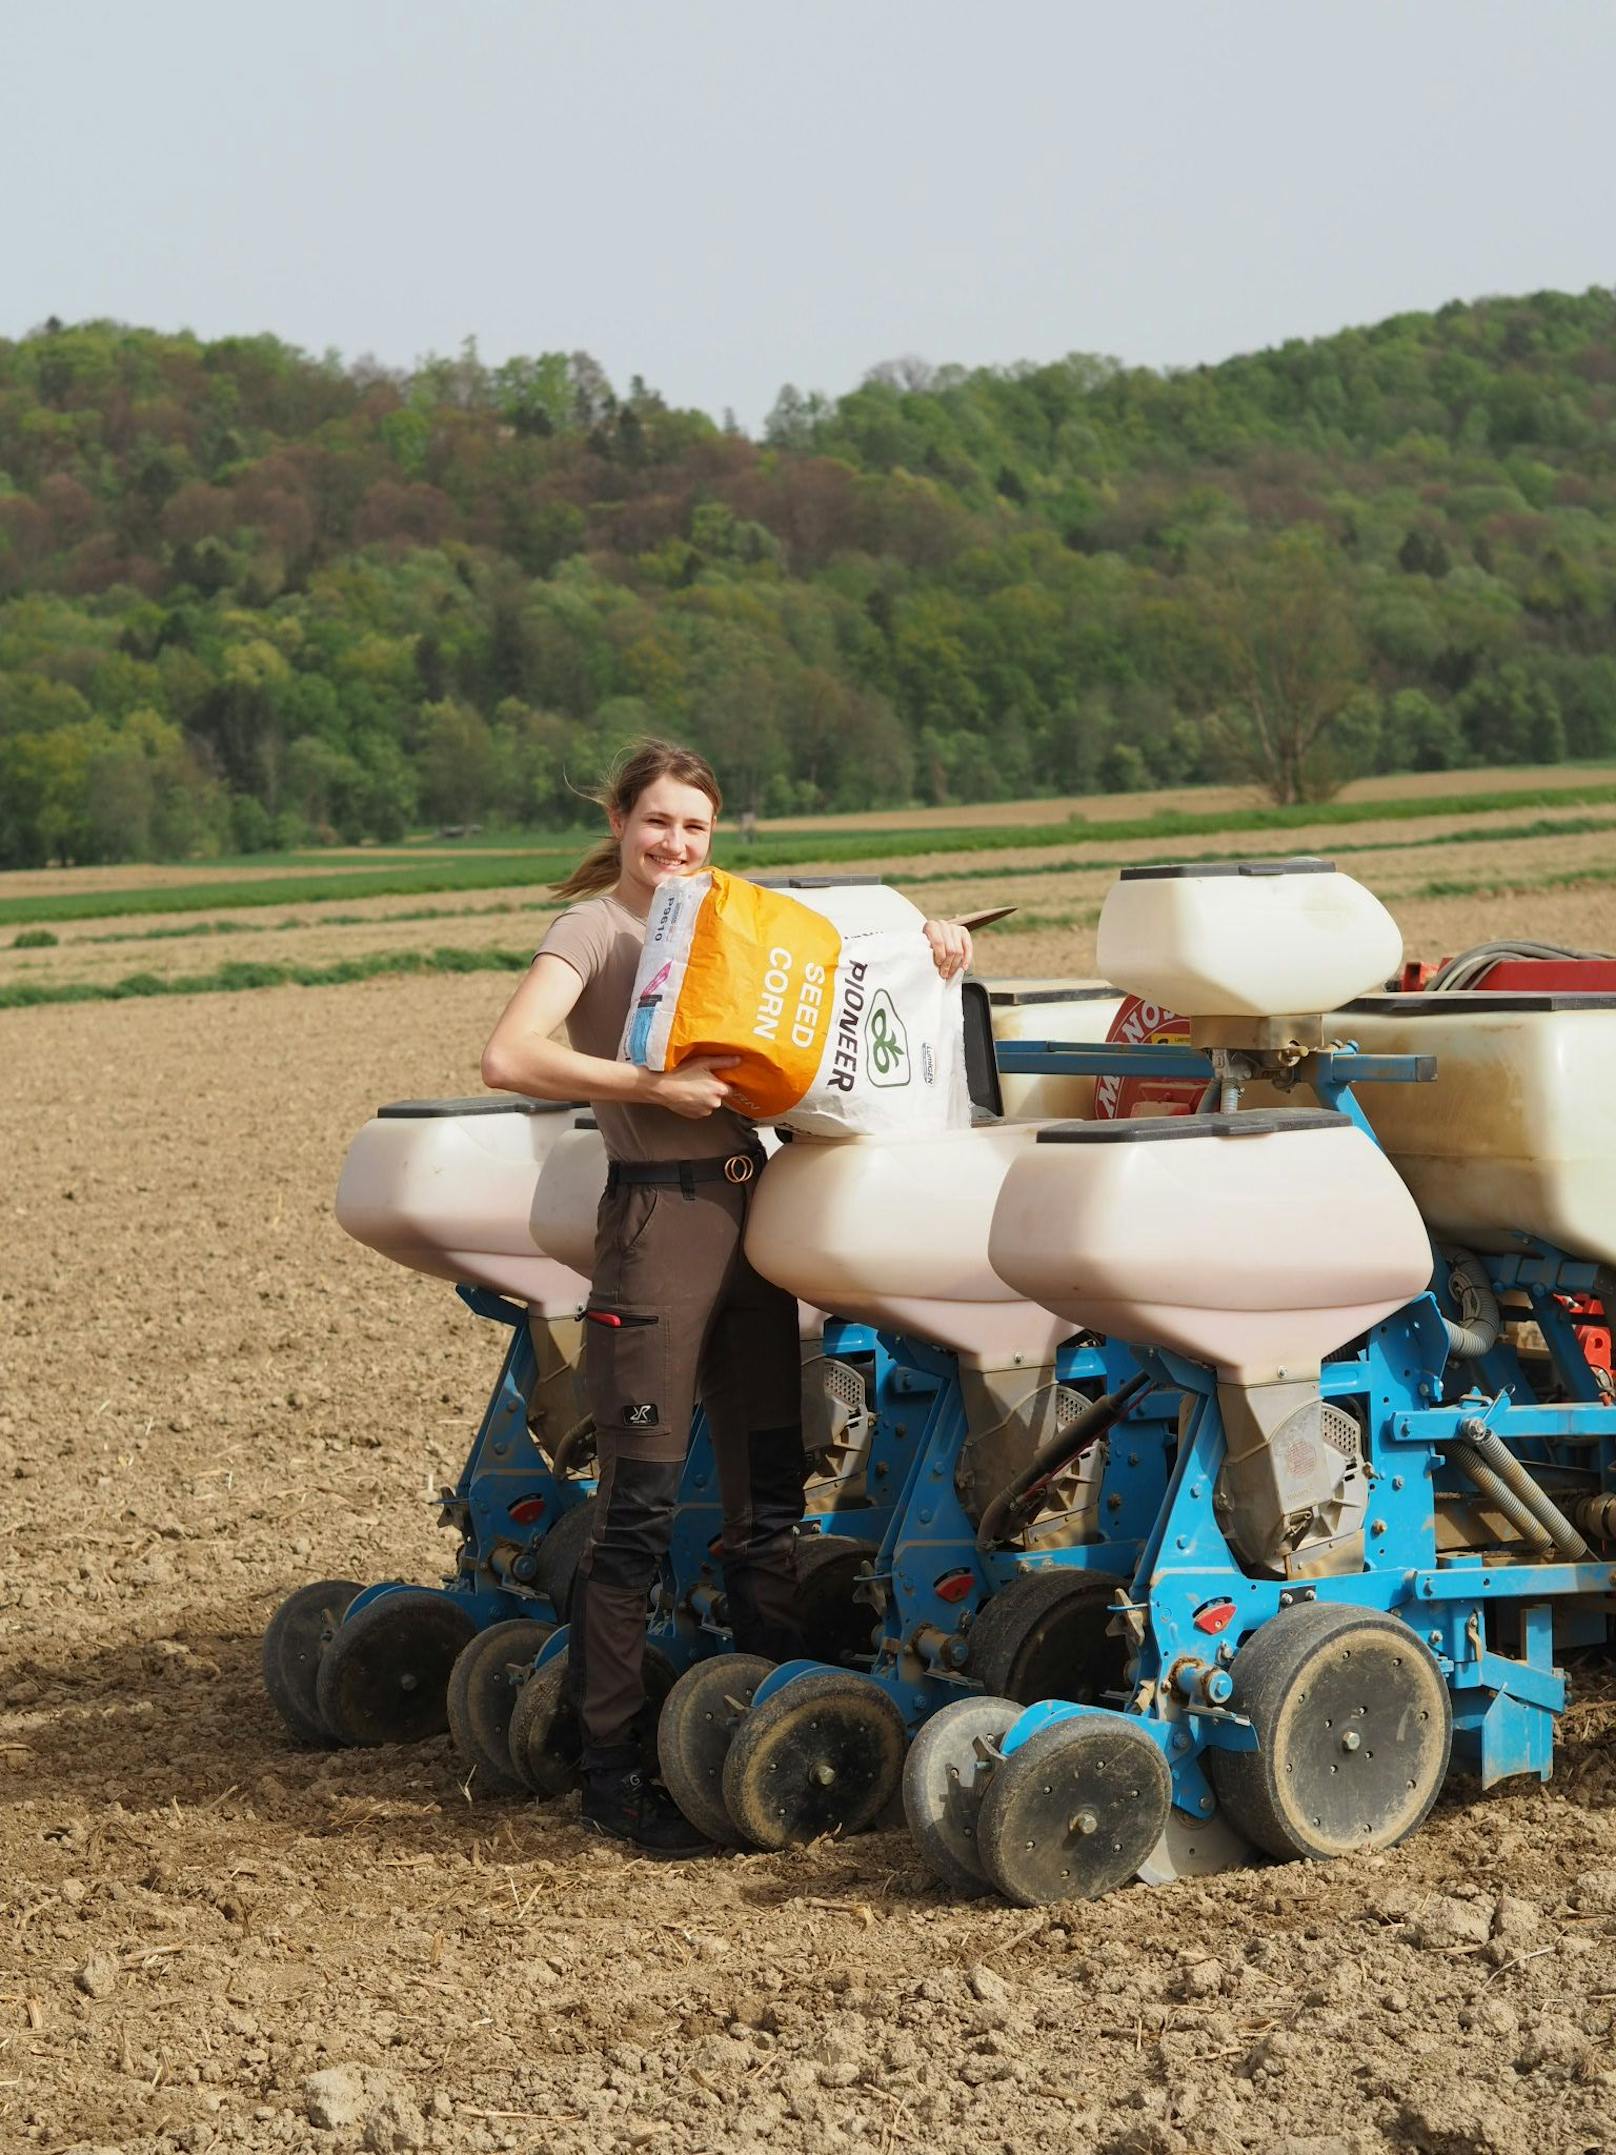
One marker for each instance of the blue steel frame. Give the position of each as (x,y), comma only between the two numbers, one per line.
(506,1499)
(1410,1404)
(930,1578)
(687,1621)
(505,1473)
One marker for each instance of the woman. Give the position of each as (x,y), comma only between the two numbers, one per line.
(675,1310)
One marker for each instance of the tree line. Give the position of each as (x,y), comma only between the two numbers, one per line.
(250,598)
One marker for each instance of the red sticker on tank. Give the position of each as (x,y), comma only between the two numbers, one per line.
(1138,1024)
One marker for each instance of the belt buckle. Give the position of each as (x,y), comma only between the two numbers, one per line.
(739,1167)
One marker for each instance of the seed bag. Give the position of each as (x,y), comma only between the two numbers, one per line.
(830,998)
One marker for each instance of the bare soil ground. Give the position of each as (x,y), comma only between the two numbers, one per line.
(210,1940)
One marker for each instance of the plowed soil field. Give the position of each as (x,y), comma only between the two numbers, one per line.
(213,1940)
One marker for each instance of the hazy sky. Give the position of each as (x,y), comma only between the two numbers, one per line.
(724,195)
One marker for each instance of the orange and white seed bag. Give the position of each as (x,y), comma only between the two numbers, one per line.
(829,997)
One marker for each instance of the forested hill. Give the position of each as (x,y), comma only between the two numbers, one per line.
(247,596)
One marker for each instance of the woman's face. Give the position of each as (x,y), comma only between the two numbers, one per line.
(667,832)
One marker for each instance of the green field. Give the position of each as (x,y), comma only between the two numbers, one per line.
(486,870)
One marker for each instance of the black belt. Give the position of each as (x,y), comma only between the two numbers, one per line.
(736,1167)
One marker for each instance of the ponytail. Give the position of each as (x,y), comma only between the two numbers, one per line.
(597,871)
(639,765)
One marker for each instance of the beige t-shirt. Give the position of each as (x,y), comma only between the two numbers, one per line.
(601,940)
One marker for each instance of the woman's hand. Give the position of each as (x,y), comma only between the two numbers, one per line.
(950,946)
(695,1089)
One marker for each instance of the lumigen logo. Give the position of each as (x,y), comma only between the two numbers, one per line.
(886,1042)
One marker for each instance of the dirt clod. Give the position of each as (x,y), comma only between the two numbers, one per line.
(1595,1893)
(1446,1921)
(98,1976)
(343,2095)
(394,2126)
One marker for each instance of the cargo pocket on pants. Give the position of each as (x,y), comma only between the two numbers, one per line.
(626,1371)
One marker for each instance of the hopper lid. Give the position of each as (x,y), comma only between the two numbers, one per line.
(483,1103)
(1165,1129)
(1300,864)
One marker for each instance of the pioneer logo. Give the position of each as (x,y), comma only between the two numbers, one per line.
(887,1058)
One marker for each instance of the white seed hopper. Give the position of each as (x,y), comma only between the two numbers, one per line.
(1517,1136)
(894,1233)
(1257,939)
(1255,1243)
(1073,1010)
(447,1187)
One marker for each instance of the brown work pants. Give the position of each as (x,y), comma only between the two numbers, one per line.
(676,1312)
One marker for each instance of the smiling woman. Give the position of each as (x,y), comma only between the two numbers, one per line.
(675,1310)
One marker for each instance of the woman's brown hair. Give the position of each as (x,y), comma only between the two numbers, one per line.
(638,766)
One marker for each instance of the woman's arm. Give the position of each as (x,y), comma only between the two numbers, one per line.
(522,1057)
(950,946)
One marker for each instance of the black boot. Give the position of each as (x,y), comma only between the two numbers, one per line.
(621,1804)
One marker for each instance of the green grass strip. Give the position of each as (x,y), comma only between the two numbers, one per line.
(515,871)
(1569,827)
(232,978)
(284,927)
(783,850)
(228,979)
(1510,886)
(1074,864)
(800,845)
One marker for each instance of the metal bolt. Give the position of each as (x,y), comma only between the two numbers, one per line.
(1377,1526)
(1206,1803)
(1085,1822)
(1351,1740)
(823,1774)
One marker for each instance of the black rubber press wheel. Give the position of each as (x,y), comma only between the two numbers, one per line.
(559,1553)
(1047,1635)
(483,1687)
(824,1754)
(1075,1811)
(836,1625)
(703,1711)
(384,1678)
(294,1640)
(1355,1727)
(545,1739)
(945,1777)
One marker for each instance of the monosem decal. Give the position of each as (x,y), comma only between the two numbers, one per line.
(886,1042)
